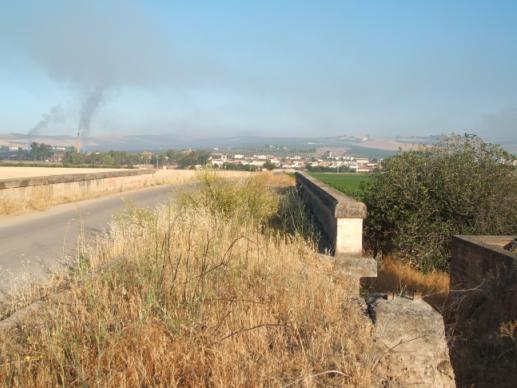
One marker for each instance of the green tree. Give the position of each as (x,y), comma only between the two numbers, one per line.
(419,199)
(193,158)
(21,154)
(40,151)
(239,167)
(268,165)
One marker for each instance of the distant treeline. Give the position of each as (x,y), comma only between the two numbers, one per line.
(40,153)
(37,152)
(240,167)
(328,169)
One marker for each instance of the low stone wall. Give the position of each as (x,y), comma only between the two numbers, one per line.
(341,217)
(21,195)
(17,195)
(482,301)
(13,183)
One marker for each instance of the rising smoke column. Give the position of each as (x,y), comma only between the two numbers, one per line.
(53,116)
(94,49)
(90,102)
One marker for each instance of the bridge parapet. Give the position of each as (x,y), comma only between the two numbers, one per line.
(340,216)
(13,183)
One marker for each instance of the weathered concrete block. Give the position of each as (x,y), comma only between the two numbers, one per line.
(483,299)
(482,265)
(349,236)
(353,269)
(412,349)
(360,267)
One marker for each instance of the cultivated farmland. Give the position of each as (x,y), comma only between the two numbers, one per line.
(350,184)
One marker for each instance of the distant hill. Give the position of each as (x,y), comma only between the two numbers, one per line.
(367,146)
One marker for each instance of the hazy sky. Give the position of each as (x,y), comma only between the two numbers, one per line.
(218,68)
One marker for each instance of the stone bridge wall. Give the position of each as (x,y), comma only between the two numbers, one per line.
(71,186)
(341,217)
(13,183)
(482,301)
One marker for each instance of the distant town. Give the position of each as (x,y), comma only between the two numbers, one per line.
(329,161)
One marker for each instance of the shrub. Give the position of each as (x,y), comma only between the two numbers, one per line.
(420,199)
(249,200)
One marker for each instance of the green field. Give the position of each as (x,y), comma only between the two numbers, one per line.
(348,183)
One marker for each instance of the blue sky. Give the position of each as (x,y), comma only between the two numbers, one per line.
(284,68)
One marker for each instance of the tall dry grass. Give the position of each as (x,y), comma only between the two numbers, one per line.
(397,277)
(198,293)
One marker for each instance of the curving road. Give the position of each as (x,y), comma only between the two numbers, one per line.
(32,244)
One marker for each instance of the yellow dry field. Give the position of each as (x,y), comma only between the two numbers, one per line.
(31,172)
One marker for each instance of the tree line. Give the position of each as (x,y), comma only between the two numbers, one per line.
(41,152)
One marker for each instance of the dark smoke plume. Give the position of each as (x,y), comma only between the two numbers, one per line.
(53,116)
(90,102)
(95,49)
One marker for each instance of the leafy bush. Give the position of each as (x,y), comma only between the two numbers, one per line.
(420,199)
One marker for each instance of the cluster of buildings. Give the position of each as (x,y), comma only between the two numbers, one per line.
(353,163)
(295,162)
(25,152)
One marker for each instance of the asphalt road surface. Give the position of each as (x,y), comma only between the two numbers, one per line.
(33,244)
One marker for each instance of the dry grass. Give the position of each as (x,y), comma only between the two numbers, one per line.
(280,180)
(401,278)
(509,330)
(201,297)
(38,198)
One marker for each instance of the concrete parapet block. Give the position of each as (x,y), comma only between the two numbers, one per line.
(360,267)
(349,236)
(412,348)
(353,269)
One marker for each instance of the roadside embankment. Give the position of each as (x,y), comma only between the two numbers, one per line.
(23,194)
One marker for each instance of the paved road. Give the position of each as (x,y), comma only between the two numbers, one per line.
(32,244)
